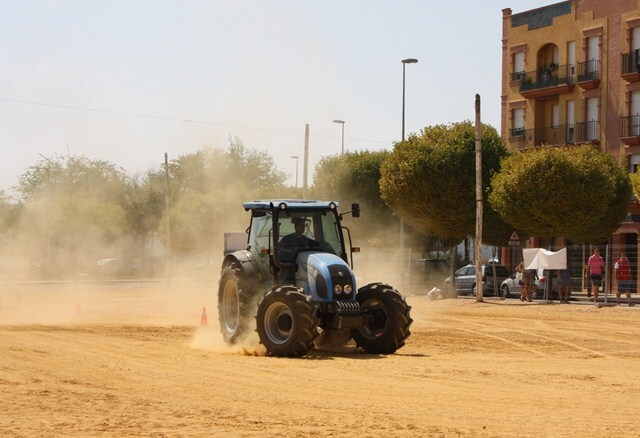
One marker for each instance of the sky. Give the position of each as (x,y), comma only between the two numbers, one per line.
(127,81)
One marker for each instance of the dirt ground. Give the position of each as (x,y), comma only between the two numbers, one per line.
(135,361)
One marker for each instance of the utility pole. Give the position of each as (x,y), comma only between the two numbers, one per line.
(478,240)
(167,256)
(306,161)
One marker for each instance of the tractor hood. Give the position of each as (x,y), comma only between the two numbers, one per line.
(324,276)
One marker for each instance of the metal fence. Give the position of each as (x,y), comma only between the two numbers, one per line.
(413,273)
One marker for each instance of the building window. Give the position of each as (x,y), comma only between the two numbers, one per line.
(518,66)
(634,113)
(570,121)
(634,163)
(517,129)
(592,126)
(555,116)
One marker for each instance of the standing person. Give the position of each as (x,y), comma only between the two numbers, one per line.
(564,285)
(528,277)
(623,278)
(519,275)
(596,265)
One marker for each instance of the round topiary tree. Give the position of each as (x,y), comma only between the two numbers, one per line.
(576,192)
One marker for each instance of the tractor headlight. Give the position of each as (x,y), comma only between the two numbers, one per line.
(348,289)
(321,286)
(337,289)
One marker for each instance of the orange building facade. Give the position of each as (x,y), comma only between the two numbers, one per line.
(571,75)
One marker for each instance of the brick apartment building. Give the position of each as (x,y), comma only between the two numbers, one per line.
(571,75)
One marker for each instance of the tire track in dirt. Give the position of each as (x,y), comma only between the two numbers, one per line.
(525,333)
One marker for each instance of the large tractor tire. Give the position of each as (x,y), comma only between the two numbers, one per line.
(236,303)
(287,322)
(386,319)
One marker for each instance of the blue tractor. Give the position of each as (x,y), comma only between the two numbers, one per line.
(293,280)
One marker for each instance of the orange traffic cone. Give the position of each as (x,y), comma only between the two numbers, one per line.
(203,318)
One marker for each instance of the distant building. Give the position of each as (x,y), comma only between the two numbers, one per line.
(571,75)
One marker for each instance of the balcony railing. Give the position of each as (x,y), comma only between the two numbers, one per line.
(518,75)
(581,132)
(630,63)
(551,76)
(630,126)
(551,135)
(589,71)
(587,132)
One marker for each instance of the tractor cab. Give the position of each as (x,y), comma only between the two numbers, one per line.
(282,232)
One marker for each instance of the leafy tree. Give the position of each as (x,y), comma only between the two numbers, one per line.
(635,183)
(207,191)
(429,181)
(10,210)
(576,192)
(143,203)
(71,206)
(355,177)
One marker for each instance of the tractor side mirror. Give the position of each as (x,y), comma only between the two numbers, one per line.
(355,209)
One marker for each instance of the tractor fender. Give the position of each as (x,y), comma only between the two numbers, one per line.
(246,261)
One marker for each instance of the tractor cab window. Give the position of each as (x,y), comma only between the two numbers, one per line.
(314,230)
(260,233)
(295,234)
(328,232)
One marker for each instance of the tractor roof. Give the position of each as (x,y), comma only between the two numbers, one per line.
(301,204)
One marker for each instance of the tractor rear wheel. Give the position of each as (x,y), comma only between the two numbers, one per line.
(236,303)
(386,319)
(287,322)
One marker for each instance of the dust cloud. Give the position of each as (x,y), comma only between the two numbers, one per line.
(50,272)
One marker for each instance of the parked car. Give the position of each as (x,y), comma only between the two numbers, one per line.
(466,279)
(48,269)
(116,268)
(511,288)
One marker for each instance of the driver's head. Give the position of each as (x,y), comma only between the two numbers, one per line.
(298,224)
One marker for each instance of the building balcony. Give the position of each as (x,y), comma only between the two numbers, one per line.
(630,66)
(559,135)
(517,76)
(587,132)
(630,130)
(548,81)
(589,74)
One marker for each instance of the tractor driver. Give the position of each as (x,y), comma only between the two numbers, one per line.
(292,242)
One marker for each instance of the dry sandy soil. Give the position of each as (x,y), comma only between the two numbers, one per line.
(113,361)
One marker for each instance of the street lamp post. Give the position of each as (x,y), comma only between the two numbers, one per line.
(404,63)
(342,123)
(296,158)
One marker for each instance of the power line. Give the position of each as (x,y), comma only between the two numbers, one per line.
(176,119)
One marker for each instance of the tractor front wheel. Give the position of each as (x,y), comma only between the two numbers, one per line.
(287,322)
(386,319)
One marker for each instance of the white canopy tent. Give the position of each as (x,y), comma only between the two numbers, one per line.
(539,258)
